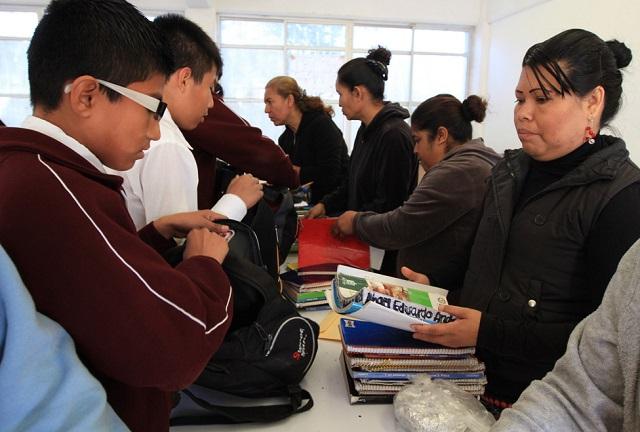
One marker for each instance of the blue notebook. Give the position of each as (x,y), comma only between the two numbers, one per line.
(367,338)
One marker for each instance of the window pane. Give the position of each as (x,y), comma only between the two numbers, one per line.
(13,67)
(13,110)
(251,32)
(18,24)
(439,74)
(253,112)
(454,42)
(246,71)
(397,87)
(316,71)
(318,35)
(389,37)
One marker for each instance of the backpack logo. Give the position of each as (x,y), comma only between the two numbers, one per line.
(302,345)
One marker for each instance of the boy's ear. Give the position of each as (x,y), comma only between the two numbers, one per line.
(82,95)
(183,74)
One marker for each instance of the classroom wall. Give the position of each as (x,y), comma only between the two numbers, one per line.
(513,34)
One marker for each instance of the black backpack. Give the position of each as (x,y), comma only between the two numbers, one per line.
(268,350)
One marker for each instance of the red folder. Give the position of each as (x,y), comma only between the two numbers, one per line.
(318,249)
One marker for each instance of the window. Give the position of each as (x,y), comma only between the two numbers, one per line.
(16,28)
(17,25)
(425,61)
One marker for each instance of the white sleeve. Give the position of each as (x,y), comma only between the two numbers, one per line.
(169,181)
(231,206)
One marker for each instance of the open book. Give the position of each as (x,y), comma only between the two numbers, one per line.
(386,300)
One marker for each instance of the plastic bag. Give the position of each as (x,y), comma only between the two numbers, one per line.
(439,406)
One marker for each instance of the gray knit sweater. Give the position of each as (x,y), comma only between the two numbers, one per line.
(595,386)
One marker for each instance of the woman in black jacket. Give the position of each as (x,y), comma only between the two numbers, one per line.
(383,168)
(559,215)
(311,139)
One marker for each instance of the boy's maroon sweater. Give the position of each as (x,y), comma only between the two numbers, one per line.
(143,328)
(226,136)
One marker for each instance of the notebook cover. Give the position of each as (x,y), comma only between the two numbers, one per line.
(318,247)
(363,337)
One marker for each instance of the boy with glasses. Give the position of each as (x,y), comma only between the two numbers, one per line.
(97,70)
(165,181)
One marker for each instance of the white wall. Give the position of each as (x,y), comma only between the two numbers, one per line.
(512,35)
(464,12)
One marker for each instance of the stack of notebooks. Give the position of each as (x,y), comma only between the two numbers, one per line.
(379,361)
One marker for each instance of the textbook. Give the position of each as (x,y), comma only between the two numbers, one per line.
(371,339)
(386,300)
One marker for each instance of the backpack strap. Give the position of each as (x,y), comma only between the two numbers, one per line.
(221,414)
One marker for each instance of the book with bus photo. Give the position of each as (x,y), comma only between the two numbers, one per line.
(386,300)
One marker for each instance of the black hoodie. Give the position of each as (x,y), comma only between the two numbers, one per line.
(319,150)
(382,169)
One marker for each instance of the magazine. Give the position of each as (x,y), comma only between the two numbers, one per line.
(386,300)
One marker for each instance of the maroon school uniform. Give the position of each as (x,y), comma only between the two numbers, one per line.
(225,135)
(143,328)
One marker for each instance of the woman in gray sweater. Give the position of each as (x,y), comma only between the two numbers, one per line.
(433,230)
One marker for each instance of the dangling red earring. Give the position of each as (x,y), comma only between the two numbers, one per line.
(590,135)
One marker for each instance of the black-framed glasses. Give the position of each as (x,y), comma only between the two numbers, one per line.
(154,105)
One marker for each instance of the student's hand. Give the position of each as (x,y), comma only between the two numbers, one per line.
(317,211)
(344,224)
(247,188)
(179,224)
(414,276)
(202,242)
(462,332)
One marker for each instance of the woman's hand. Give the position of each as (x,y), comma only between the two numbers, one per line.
(317,211)
(344,224)
(179,224)
(415,276)
(462,332)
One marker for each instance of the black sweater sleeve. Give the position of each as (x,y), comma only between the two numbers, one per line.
(616,229)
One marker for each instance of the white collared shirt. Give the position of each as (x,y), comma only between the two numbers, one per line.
(165,181)
(52,131)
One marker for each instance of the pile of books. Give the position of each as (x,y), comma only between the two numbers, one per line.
(306,289)
(319,254)
(380,355)
(379,361)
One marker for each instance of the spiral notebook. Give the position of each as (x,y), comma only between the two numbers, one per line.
(371,339)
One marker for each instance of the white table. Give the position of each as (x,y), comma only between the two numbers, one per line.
(331,411)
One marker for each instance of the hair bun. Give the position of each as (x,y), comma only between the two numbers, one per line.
(380,54)
(620,52)
(474,108)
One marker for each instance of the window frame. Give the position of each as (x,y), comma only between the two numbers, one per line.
(39,10)
(349,51)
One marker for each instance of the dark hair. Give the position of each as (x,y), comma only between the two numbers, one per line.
(190,45)
(580,61)
(107,39)
(1,123)
(445,110)
(370,72)
(285,86)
